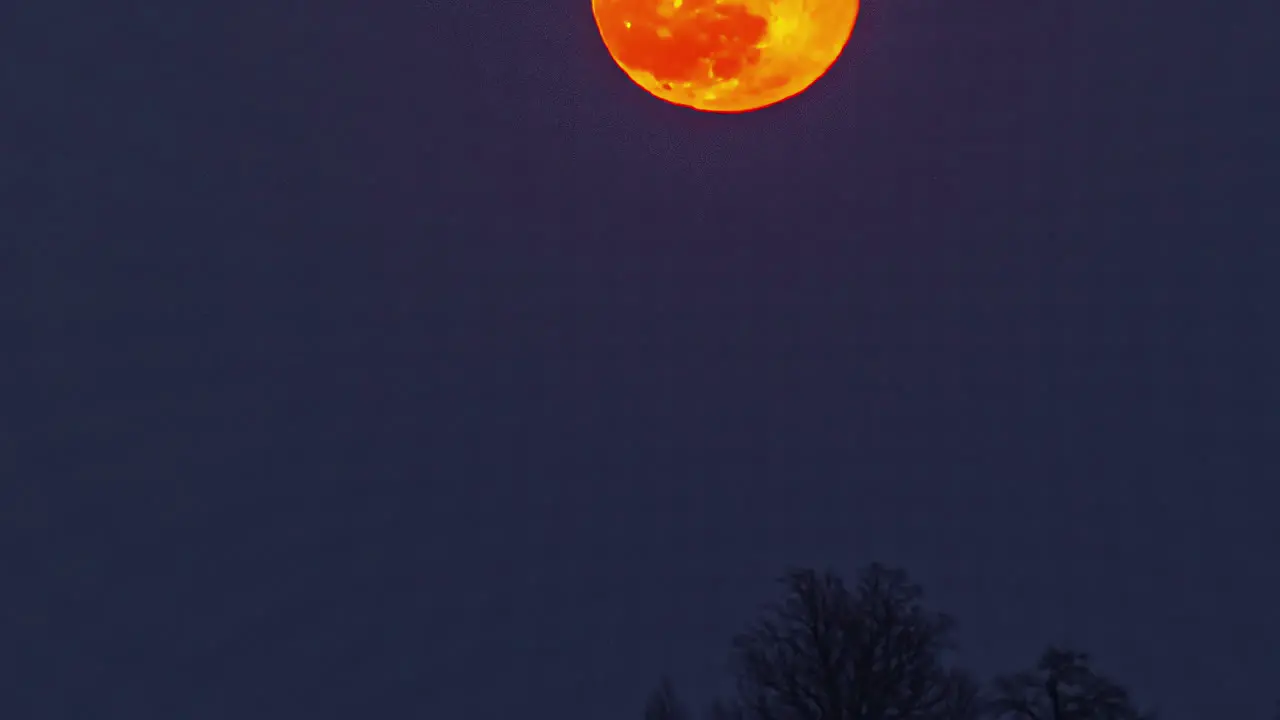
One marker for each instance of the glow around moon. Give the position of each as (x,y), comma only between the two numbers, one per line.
(725,55)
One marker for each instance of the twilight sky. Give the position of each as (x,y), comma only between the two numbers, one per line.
(403,360)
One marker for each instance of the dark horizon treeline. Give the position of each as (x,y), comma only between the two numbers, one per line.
(874,652)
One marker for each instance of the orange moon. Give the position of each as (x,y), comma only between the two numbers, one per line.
(725,55)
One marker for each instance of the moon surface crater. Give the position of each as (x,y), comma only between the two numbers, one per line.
(725,55)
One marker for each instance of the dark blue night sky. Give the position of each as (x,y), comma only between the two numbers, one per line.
(404,360)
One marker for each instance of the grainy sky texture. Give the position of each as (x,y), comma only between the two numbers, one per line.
(403,360)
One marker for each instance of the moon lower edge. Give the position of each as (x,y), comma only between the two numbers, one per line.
(725,56)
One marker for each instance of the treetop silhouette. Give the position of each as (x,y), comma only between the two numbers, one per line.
(875,652)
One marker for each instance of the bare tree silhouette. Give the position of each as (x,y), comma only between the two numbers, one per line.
(1063,686)
(829,653)
(964,699)
(874,652)
(664,704)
